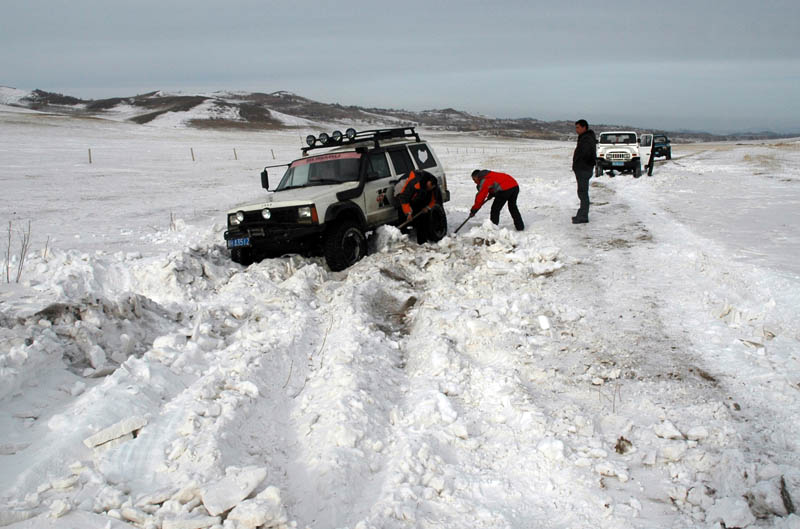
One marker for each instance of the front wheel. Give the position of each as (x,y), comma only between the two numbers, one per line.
(345,244)
(669,155)
(243,256)
(597,171)
(637,170)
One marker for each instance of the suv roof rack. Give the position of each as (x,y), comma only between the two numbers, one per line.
(366,135)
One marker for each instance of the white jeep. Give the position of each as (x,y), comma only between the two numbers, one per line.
(623,151)
(325,204)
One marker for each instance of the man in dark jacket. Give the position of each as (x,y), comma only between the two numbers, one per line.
(419,193)
(503,188)
(583,161)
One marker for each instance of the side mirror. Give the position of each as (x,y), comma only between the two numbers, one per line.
(265,179)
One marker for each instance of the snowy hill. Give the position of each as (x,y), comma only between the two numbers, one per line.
(639,371)
(279,110)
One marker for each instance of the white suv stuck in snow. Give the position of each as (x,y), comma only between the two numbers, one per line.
(326,203)
(623,151)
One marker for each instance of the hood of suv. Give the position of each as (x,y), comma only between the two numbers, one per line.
(301,196)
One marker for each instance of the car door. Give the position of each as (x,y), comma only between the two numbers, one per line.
(378,190)
(645,149)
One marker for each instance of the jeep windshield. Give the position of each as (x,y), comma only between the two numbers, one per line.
(324,169)
(618,138)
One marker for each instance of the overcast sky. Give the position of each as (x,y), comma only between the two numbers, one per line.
(726,65)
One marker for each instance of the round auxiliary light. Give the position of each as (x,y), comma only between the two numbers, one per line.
(336,136)
(310,140)
(240,216)
(266,214)
(350,133)
(323,138)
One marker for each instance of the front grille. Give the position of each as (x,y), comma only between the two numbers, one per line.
(618,156)
(278,215)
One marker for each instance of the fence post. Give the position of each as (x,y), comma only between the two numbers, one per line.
(273,153)
(90,156)
(191,149)
(235,156)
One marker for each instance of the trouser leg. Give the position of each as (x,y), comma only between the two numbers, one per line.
(420,225)
(512,208)
(582,178)
(497,204)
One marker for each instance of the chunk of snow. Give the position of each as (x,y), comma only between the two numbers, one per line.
(124,427)
(552,449)
(667,430)
(191,523)
(733,512)
(265,510)
(236,486)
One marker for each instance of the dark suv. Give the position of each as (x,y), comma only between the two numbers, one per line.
(661,147)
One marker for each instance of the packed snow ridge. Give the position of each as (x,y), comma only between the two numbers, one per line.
(638,371)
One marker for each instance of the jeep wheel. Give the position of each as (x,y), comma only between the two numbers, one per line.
(243,256)
(669,155)
(345,244)
(437,224)
(597,171)
(637,170)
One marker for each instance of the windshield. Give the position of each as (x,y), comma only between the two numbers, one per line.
(618,138)
(321,170)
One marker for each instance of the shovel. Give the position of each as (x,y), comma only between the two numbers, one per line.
(465,220)
(404,224)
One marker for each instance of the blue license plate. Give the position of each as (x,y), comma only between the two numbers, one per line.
(236,243)
(617,164)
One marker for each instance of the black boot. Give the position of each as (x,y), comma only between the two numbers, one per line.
(579,220)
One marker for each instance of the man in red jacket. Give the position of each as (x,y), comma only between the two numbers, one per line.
(503,188)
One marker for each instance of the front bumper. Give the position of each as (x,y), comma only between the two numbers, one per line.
(618,165)
(283,238)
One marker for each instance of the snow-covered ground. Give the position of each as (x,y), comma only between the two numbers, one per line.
(638,371)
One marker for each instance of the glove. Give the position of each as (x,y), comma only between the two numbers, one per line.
(472,212)
(409,217)
(426,209)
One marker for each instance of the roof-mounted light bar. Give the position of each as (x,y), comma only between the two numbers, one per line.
(351,136)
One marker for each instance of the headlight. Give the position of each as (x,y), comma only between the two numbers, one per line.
(307,215)
(267,214)
(235,219)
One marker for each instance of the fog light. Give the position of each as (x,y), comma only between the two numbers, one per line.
(336,136)
(323,138)
(350,133)
(310,140)
(267,214)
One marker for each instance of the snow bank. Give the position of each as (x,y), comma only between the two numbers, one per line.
(607,375)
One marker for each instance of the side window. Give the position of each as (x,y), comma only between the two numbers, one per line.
(401,161)
(422,154)
(378,167)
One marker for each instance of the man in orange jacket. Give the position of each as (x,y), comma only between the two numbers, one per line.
(503,188)
(419,193)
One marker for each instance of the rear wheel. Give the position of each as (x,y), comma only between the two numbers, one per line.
(669,154)
(437,224)
(345,244)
